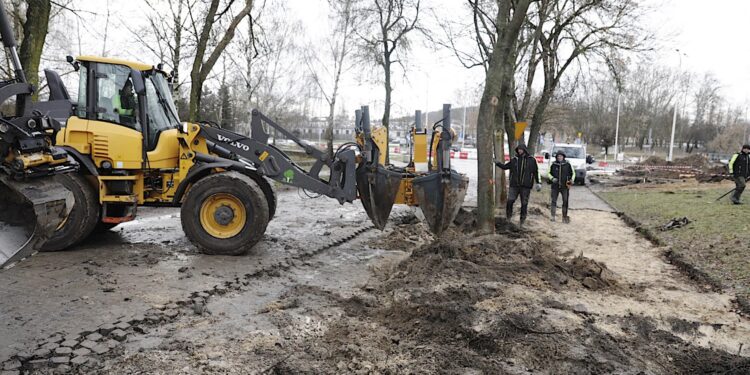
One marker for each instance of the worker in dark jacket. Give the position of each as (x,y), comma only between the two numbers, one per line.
(739,166)
(524,173)
(561,174)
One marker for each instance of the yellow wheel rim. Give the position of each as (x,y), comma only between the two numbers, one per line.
(223,215)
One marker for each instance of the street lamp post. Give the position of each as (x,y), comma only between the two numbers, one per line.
(617,124)
(463,129)
(674,116)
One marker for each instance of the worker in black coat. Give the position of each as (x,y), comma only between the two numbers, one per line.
(739,167)
(524,174)
(561,174)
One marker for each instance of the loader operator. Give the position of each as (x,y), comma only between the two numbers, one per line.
(739,166)
(124,104)
(561,174)
(524,174)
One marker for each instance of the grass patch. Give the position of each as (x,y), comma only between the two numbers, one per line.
(715,243)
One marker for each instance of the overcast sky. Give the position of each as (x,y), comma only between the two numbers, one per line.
(712,36)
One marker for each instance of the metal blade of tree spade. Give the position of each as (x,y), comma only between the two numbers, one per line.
(30,213)
(377,190)
(440,196)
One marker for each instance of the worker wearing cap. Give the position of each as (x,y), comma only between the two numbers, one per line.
(561,174)
(739,166)
(524,173)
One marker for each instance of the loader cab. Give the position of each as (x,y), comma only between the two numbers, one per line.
(124,115)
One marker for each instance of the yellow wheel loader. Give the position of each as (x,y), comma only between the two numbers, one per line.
(69,167)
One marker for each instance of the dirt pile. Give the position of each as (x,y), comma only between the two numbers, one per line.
(401,236)
(694,160)
(692,166)
(472,303)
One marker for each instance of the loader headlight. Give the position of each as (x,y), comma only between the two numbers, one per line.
(185,127)
(3,128)
(31,123)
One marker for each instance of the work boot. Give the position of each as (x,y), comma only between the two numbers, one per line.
(552,218)
(566,219)
(523,220)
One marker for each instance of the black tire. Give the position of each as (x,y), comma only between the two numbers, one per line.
(239,187)
(82,218)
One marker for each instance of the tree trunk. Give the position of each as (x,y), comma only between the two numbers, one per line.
(387,109)
(196,94)
(485,165)
(201,68)
(34,33)
(177,51)
(329,128)
(501,190)
(538,119)
(499,72)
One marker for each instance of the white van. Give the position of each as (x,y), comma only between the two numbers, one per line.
(575,154)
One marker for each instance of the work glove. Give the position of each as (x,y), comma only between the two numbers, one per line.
(554,180)
(538,187)
(569,183)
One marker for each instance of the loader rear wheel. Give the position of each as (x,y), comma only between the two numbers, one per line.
(225,214)
(82,218)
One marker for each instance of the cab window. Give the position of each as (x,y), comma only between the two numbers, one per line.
(158,118)
(116,101)
(82,88)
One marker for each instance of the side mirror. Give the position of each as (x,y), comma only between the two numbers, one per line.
(546,155)
(73,62)
(589,159)
(138,85)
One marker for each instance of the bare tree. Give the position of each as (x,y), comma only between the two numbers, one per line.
(35,26)
(269,78)
(708,100)
(164,36)
(327,65)
(388,40)
(573,30)
(31,21)
(207,54)
(500,71)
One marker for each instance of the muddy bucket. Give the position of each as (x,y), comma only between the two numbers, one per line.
(377,191)
(440,196)
(30,212)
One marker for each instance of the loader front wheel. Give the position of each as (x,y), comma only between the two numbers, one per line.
(225,214)
(83,216)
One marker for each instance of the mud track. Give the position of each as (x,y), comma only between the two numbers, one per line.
(591,297)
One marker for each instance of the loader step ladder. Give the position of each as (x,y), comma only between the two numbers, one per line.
(119,203)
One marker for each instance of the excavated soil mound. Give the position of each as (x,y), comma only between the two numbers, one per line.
(654,161)
(695,161)
(696,166)
(491,304)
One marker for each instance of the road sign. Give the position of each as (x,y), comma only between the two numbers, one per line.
(520,128)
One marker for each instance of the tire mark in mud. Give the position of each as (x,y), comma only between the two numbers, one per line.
(79,352)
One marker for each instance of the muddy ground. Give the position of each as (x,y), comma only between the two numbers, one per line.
(325,293)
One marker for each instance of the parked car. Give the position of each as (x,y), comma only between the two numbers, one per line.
(576,156)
